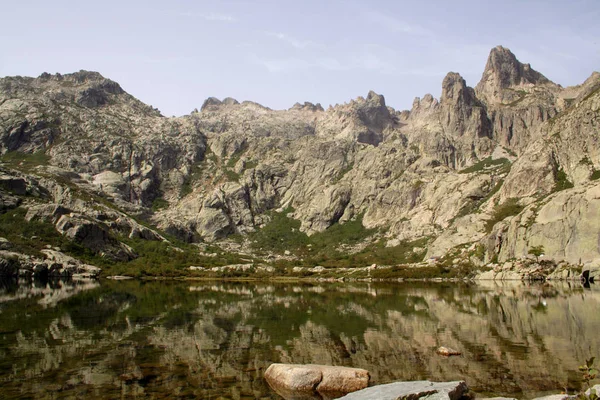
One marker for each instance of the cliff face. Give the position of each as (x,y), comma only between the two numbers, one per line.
(439,171)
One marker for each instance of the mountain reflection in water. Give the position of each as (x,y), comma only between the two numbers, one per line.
(206,340)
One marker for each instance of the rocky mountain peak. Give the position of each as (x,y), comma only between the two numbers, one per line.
(211,103)
(425,105)
(503,71)
(375,98)
(453,87)
(308,106)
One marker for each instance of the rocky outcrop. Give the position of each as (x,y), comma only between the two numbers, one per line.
(447,351)
(412,391)
(463,117)
(55,265)
(503,71)
(94,236)
(531,270)
(564,224)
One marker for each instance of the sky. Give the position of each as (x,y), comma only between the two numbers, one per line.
(175,54)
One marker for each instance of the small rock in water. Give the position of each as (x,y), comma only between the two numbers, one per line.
(446,351)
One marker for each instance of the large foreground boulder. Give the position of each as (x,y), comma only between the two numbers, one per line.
(412,391)
(295,381)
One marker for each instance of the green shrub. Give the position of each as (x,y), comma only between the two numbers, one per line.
(485,163)
(561,181)
(159,203)
(536,251)
(279,234)
(509,208)
(350,232)
(25,161)
(232,175)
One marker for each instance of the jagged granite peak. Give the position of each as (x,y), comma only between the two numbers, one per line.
(588,87)
(455,89)
(454,130)
(91,87)
(424,104)
(308,106)
(81,76)
(213,103)
(376,98)
(210,103)
(504,71)
(362,120)
(463,116)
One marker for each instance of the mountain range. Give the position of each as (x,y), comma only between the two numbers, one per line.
(484,174)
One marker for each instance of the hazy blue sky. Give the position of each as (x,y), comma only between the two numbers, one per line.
(175,54)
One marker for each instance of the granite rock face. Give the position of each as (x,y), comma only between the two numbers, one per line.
(438,172)
(412,391)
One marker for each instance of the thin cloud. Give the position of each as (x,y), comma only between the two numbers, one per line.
(165,60)
(395,25)
(361,61)
(279,65)
(212,16)
(297,43)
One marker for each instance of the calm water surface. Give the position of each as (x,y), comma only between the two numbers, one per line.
(212,340)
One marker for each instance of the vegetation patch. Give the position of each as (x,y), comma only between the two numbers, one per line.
(232,175)
(188,182)
(155,258)
(25,161)
(484,164)
(478,252)
(350,232)
(235,157)
(159,204)
(507,209)
(281,233)
(29,237)
(561,181)
(474,206)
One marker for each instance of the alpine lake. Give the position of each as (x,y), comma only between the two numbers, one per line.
(213,339)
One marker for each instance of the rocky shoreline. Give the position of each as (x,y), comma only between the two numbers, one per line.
(56,264)
(311,381)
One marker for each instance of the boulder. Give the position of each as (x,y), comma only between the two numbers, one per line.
(595,388)
(289,379)
(94,236)
(591,272)
(412,391)
(446,351)
(554,397)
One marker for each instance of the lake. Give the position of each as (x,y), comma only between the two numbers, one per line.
(210,340)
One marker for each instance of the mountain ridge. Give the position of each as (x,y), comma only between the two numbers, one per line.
(438,173)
